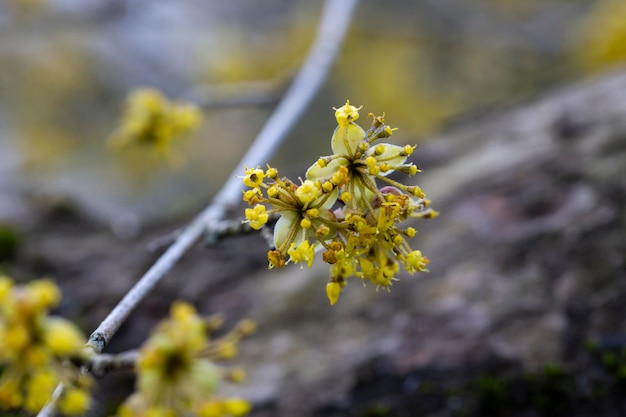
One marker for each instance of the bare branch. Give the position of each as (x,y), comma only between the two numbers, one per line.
(221,230)
(249,93)
(103,363)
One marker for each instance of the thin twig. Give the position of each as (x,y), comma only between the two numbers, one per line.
(219,231)
(331,32)
(102,363)
(248,93)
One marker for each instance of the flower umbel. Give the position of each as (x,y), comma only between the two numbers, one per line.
(177,370)
(341,209)
(356,162)
(305,217)
(151,119)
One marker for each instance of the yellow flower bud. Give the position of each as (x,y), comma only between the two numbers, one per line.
(313,213)
(272,192)
(271,172)
(333,291)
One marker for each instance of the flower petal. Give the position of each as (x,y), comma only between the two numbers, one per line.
(392,155)
(332,198)
(283,228)
(317,172)
(367,193)
(346,139)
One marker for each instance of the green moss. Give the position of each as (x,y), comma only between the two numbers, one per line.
(9,243)
(554,371)
(427,387)
(553,390)
(591,345)
(376,410)
(491,393)
(609,360)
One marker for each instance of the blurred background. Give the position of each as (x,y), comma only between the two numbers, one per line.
(67,66)
(522,312)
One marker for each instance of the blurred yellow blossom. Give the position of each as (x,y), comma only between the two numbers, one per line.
(37,349)
(177,372)
(601,38)
(151,119)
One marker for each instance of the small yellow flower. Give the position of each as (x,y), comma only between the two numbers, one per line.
(254,177)
(415,262)
(304,252)
(309,191)
(253,196)
(257,216)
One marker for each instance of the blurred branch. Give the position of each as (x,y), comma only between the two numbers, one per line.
(331,32)
(103,363)
(221,230)
(237,94)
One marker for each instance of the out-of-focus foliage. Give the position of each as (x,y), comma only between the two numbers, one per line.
(67,67)
(150,119)
(426,97)
(601,40)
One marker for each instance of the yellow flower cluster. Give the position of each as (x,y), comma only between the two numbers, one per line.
(339,207)
(177,374)
(151,119)
(36,350)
